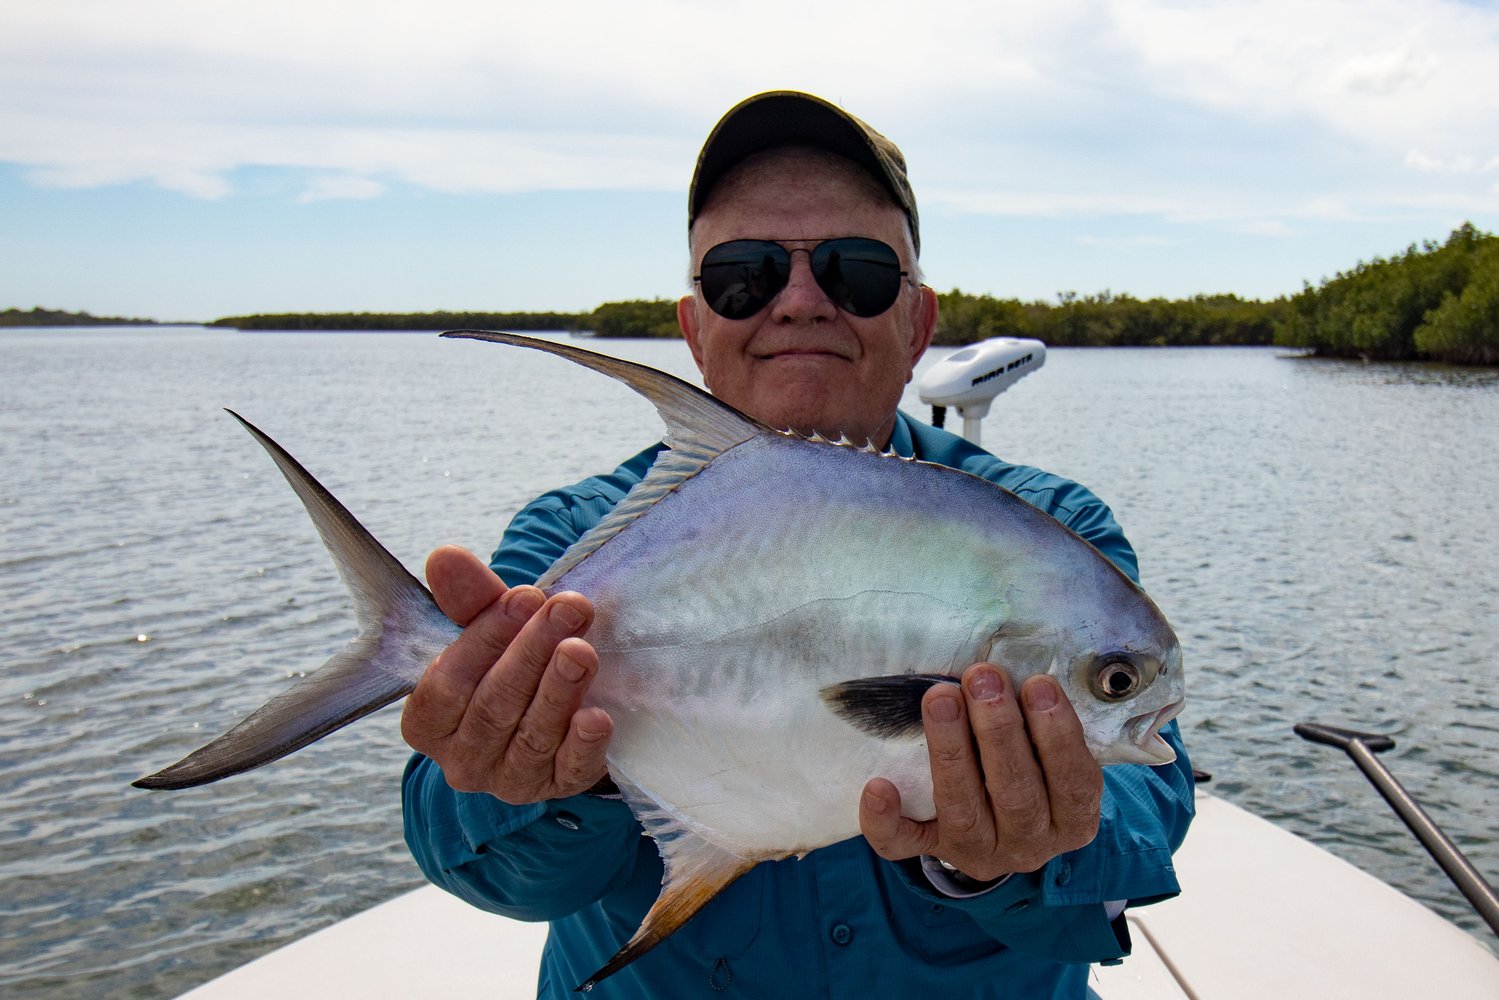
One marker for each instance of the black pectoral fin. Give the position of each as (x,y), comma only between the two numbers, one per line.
(887,707)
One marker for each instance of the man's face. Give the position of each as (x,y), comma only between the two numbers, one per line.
(801,362)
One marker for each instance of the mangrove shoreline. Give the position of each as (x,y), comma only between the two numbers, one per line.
(1435,302)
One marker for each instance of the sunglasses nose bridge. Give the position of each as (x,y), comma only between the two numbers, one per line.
(803,294)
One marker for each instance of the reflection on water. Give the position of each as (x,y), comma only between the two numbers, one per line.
(1407,373)
(1319,532)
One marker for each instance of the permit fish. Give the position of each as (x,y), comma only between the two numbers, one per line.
(770,610)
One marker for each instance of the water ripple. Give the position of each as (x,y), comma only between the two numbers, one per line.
(1319,533)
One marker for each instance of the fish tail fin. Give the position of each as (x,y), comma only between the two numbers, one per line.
(400,630)
(694,877)
(887,707)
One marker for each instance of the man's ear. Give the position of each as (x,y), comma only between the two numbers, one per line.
(687,321)
(923,324)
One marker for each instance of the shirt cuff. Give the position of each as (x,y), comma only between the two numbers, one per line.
(952,887)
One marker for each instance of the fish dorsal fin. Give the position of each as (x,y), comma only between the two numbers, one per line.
(699,429)
(672,468)
(696,871)
(694,419)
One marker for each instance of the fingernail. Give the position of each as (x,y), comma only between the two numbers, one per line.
(944,708)
(985,684)
(521,603)
(570,669)
(1041,695)
(875,804)
(566,616)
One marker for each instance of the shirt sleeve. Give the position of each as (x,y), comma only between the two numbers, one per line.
(538,861)
(1061,912)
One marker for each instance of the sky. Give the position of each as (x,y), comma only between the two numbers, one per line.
(191,159)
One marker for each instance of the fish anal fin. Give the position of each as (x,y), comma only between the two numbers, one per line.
(683,895)
(695,871)
(887,707)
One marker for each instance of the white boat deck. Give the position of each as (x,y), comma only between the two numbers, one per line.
(1263,913)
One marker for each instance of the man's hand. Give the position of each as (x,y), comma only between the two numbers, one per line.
(1014,783)
(498,709)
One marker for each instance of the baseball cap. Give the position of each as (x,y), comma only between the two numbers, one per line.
(783,117)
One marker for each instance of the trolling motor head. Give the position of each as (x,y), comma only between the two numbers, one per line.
(969,379)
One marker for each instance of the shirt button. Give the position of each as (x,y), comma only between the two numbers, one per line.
(842,934)
(568,821)
(1064,873)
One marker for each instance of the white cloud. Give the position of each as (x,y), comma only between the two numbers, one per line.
(1418,160)
(198,158)
(345,187)
(1387,73)
(1099,106)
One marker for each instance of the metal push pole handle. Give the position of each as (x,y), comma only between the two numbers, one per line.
(1362,747)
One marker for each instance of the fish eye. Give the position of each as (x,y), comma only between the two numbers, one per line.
(1116,679)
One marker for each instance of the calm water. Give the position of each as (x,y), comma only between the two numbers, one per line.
(1321,534)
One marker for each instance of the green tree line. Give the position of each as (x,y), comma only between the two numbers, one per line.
(1436,301)
(1108,320)
(59,317)
(1094,320)
(404,321)
(635,318)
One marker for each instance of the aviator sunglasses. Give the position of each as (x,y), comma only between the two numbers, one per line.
(860,275)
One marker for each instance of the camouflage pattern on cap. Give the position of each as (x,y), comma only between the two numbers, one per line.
(785,117)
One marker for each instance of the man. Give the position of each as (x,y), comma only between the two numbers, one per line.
(1019,880)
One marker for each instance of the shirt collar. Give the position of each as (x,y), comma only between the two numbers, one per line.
(901,441)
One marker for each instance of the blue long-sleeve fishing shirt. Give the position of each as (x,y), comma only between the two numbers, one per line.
(842,922)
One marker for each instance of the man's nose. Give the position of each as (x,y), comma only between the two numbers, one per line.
(803,300)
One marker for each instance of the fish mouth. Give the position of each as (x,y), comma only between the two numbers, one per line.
(1144,732)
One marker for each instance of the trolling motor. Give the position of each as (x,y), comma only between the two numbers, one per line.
(970,379)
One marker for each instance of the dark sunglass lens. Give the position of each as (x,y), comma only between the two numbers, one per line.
(739,278)
(861,276)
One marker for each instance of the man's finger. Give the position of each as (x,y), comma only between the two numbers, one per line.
(461,584)
(582,757)
(1074,781)
(957,782)
(437,706)
(1013,780)
(506,691)
(892,836)
(545,724)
